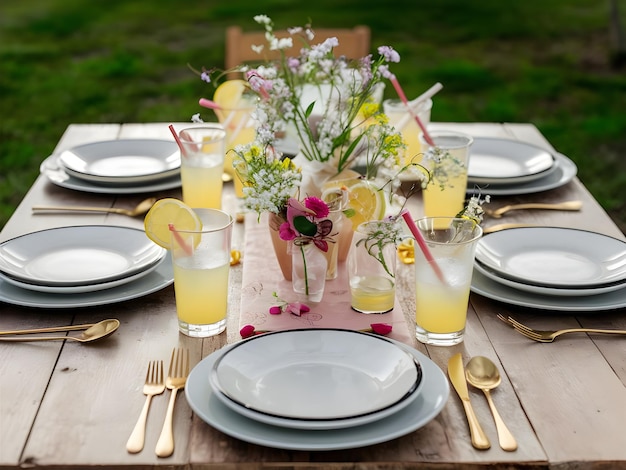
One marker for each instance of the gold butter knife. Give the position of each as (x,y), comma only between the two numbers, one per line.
(456,372)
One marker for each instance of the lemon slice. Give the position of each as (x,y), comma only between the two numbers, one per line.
(367,202)
(165,212)
(229,94)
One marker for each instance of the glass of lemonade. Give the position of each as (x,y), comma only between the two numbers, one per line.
(445,194)
(202,165)
(401,119)
(201,267)
(441,304)
(372,268)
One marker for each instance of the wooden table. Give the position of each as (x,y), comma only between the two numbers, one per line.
(63,404)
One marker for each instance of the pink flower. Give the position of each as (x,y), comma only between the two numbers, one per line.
(285,232)
(276,310)
(319,207)
(297,308)
(247,331)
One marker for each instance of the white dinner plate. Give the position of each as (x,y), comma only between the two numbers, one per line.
(84,288)
(558,291)
(57,175)
(78,255)
(344,392)
(565,170)
(554,257)
(210,409)
(158,279)
(506,161)
(316,374)
(494,290)
(124,161)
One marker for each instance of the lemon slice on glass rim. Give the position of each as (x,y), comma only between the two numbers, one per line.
(166,212)
(365,201)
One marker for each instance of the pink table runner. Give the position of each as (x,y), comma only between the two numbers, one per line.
(262,277)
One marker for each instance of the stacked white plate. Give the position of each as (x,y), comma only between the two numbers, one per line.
(282,389)
(505,167)
(553,268)
(116,166)
(70,262)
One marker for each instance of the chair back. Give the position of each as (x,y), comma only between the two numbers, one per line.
(353,43)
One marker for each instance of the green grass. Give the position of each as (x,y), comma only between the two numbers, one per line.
(548,63)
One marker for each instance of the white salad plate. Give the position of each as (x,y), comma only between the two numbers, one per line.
(496,291)
(558,291)
(78,255)
(124,161)
(83,288)
(339,390)
(565,170)
(57,175)
(554,257)
(427,405)
(506,161)
(316,374)
(158,279)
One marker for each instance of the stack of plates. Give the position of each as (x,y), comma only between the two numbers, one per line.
(552,268)
(282,389)
(507,167)
(79,266)
(116,166)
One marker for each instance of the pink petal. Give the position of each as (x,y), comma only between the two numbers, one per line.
(275,310)
(247,331)
(381,328)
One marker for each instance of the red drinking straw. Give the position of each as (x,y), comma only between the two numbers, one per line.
(422,244)
(403,98)
(177,139)
(180,240)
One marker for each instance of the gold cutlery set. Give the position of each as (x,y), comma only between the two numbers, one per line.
(92,332)
(155,385)
(548,336)
(484,375)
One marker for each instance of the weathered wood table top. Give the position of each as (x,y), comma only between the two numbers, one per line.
(63,404)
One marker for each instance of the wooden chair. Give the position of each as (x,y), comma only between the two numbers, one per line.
(353,43)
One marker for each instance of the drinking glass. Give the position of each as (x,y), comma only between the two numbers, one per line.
(445,194)
(308,276)
(202,165)
(201,261)
(441,304)
(371,269)
(401,119)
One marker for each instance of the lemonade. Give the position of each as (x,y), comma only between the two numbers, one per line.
(404,123)
(372,294)
(201,292)
(202,181)
(441,308)
(447,202)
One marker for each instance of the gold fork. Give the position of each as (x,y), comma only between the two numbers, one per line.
(561,206)
(176,378)
(548,336)
(153,385)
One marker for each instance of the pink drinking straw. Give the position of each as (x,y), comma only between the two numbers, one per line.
(209,104)
(180,240)
(177,139)
(403,98)
(422,244)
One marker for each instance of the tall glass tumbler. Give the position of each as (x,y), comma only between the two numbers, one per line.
(441,304)
(201,268)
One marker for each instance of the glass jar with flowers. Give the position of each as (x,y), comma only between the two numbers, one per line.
(310,230)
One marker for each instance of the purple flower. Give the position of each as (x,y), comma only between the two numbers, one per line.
(389,54)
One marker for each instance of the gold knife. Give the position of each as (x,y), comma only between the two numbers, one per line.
(457,377)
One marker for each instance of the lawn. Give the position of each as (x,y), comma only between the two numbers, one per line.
(548,63)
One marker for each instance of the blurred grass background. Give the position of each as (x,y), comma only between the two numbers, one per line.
(554,64)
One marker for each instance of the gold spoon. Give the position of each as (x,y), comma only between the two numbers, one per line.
(142,208)
(561,206)
(483,374)
(93,332)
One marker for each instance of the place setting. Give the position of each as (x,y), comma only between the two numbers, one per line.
(552,268)
(317,389)
(78,266)
(124,166)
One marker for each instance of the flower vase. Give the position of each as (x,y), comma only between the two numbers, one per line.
(282,248)
(308,271)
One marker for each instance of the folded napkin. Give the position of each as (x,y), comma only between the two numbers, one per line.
(262,278)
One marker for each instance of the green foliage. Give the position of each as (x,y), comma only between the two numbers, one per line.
(548,63)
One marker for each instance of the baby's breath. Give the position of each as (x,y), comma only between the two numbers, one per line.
(443,166)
